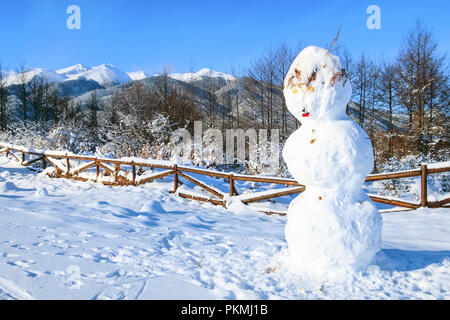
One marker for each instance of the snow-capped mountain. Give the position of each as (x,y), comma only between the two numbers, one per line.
(108,75)
(104,74)
(199,75)
(73,70)
(13,77)
(138,75)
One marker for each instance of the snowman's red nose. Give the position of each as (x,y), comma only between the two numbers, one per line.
(306,114)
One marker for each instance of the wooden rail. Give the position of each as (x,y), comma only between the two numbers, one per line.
(423,172)
(118,176)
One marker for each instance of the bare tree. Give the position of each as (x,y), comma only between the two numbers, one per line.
(23,91)
(386,95)
(92,106)
(349,65)
(361,86)
(423,83)
(3,101)
(285,57)
(257,86)
(38,97)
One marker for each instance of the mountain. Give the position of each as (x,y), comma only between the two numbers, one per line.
(13,78)
(107,75)
(73,71)
(155,83)
(203,83)
(77,87)
(380,119)
(201,74)
(138,75)
(104,74)
(205,79)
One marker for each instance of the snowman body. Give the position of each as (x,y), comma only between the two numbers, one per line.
(332,226)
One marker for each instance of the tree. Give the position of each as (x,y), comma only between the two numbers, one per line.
(386,95)
(38,97)
(23,91)
(92,110)
(3,101)
(256,90)
(423,84)
(349,65)
(285,57)
(361,84)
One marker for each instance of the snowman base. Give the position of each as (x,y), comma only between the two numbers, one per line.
(329,234)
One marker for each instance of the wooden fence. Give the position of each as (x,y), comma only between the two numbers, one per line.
(120,172)
(423,172)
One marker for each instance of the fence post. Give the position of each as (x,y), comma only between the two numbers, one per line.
(97,170)
(133,170)
(23,157)
(67,166)
(7,152)
(44,163)
(423,186)
(175,178)
(231,185)
(116,172)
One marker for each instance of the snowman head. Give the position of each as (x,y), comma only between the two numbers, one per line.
(316,87)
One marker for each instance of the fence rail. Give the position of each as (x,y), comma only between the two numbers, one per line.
(116,175)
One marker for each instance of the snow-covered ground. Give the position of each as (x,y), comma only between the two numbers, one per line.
(63,239)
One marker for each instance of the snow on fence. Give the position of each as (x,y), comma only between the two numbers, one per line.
(130,171)
(423,172)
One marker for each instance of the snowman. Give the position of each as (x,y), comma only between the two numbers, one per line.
(332,227)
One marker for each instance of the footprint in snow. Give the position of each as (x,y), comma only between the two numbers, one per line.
(41,192)
(152,207)
(7,186)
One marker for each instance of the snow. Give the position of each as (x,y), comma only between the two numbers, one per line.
(73,70)
(438,165)
(41,192)
(13,78)
(237,207)
(212,172)
(137,75)
(152,207)
(397,172)
(89,241)
(149,174)
(262,177)
(205,72)
(104,74)
(392,198)
(7,186)
(333,224)
(246,196)
(166,163)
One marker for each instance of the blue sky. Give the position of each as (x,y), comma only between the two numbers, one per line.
(148,35)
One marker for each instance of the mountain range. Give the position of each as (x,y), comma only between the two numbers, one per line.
(106,75)
(231,94)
